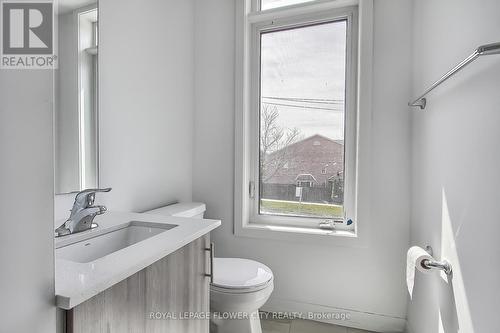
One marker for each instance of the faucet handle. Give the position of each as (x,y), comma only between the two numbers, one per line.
(94,190)
(86,197)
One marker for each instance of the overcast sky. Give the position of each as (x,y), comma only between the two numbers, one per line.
(267,4)
(306,63)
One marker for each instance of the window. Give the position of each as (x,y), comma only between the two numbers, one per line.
(299,116)
(270,4)
(302,114)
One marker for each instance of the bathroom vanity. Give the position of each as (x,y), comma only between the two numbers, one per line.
(135,273)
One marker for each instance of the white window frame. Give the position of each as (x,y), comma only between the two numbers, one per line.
(348,14)
(250,24)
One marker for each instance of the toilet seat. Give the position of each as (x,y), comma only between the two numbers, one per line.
(241,290)
(236,275)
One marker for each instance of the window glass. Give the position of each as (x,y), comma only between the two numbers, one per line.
(269,4)
(302,116)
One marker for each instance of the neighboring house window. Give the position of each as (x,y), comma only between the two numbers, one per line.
(299,113)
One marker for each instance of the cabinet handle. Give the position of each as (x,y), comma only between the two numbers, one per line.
(211,249)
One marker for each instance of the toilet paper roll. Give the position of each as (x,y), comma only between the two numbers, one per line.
(415,256)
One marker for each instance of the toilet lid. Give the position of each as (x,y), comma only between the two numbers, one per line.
(236,273)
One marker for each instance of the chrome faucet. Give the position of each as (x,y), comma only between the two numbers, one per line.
(83,213)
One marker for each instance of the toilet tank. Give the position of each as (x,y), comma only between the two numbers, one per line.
(182,209)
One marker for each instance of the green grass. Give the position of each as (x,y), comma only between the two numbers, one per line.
(300,209)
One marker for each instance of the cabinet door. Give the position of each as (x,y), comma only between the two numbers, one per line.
(171,295)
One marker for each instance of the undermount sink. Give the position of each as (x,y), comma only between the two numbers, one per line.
(101,243)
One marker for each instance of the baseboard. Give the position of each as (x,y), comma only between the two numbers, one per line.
(343,317)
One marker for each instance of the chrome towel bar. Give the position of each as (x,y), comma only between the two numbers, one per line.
(487,49)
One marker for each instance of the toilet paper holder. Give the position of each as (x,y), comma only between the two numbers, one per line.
(444,265)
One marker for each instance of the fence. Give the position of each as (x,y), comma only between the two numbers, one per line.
(319,194)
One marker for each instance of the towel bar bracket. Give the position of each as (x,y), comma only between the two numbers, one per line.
(421,103)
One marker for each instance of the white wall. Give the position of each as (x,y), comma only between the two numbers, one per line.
(365,280)
(26,202)
(456,167)
(146,104)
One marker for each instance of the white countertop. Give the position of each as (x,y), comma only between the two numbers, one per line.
(77,282)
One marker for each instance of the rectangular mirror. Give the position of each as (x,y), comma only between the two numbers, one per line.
(76,97)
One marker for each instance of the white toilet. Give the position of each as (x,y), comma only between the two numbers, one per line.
(240,286)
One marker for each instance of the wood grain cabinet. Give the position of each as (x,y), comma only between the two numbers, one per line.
(171,295)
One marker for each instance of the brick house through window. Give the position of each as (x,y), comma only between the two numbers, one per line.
(314,162)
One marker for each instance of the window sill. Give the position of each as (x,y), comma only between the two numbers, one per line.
(300,234)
